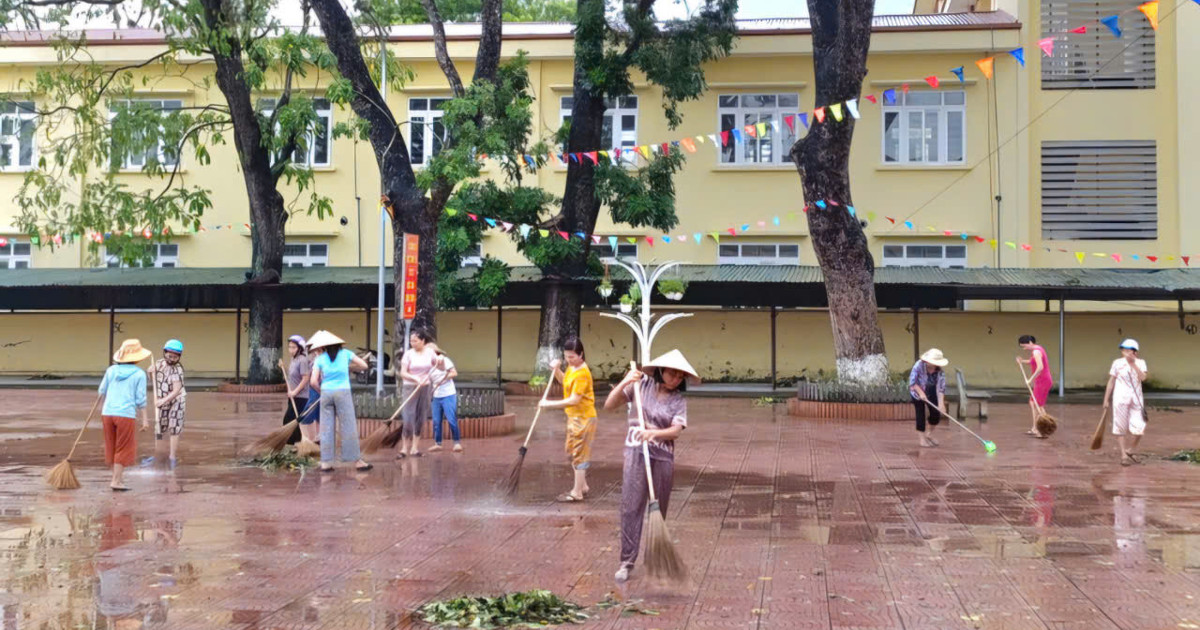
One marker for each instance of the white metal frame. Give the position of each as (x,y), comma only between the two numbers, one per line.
(14,116)
(428,119)
(162,260)
(944,261)
(617,252)
(777,259)
(781,140)
(615,111)
(904,112)
(10,259)
(646,327)
(308,259)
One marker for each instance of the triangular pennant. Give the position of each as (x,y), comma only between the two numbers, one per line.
(870,216)
(745,227)
(791,123)
(595,239)
(490,222)
(947,232)
(1113,22)
(775,125)
(612,242)
(1019,54)
(850,209)
(592,156)
(564,235)
(820,203)
(904,88)
(715,141)
(836,109)
(1133,256)
(682,239)
(575,157)
(666,149)
(775,220)
(700,139)
(750,131)
(698,236)
(724,138)
(737,135)
(544,233)
(1153,258)
(1150,9)
(852,107)
(803,119)
(645,151)
(819,114)
(1079,257)
(1116,257)
(762,224)
(716,237)
(871,97)
(980,239)
(604,154)
(449,211)
(1187,260)
(889,96)
(933,81)
(688,145)
(958,72)
(909,225)
(892,219)
(1011,244)
(1080,31)
(665,239)
(631,239)
(581,235)
(987,66)
(1047,46)
(993,243)
(474,217)
(650,240)
(732,231)
(762,129)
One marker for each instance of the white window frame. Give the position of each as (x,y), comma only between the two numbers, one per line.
(744,258)
(743,111)
(11,259)
(308,258)
(944,261)
(624,251)
(14,115)
(428,118)
(127,161)
(904,112)
(615,110)
(308,158)
(473,257)
(166,255)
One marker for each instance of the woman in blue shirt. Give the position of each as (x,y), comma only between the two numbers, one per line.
(124,392)
(331,377)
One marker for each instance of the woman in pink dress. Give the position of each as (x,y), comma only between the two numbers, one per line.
(1041,381)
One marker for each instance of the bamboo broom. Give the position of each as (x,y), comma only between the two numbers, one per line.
(62,476)
(662,559)
(1046,424)
(508,487)
(1098,436)
(306,447)
(384,434)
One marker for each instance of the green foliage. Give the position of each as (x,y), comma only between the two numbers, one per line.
(670,285)
(529,609)
(286,460)
(411,11)
(1192,456)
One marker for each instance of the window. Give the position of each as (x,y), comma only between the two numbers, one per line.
(14,255)
(620,123)
(758,254)
(165,155)
(316,149)
(17,123)
(1100,189)
(473,257)
(944,256)
(165,255)
(306,255)
(925,128)
(426,133)
(1095,59)
(624,250)
(737,111)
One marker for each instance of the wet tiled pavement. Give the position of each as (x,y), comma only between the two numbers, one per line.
(784,523)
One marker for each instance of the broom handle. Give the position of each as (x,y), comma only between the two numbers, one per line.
(637,401)
(1030,388)
(955,420)
(85,426)
(410,397)
(154,390)
(294,410)
(537,413)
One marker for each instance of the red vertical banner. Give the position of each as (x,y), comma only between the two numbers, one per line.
(411,245)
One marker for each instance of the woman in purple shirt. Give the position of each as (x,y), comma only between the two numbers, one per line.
(927,386)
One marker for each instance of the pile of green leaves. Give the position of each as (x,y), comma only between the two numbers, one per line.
(529,609)
(1192,456)
(287,459)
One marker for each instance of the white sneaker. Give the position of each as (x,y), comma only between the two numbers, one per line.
(622,574)
(458,447)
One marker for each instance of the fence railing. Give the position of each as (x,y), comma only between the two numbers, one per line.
(473,402)
(850,393)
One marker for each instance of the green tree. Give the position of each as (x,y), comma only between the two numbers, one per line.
(841,34)
(74,188)
(413,12)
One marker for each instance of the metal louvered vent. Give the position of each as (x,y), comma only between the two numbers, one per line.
(1099,189)
(1096,59)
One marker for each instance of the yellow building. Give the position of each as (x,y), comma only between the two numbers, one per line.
(1081,151)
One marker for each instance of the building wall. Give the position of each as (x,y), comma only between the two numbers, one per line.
(722,345)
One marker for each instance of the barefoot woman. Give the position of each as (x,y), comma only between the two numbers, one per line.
(664,408)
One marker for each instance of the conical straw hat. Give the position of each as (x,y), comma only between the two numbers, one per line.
(676,361)
(324,338)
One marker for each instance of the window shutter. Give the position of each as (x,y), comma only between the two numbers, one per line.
(1099,189)
(1096,59)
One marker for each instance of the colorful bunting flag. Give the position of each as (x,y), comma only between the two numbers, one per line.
(699,237)
(490,222)
(1150,9)
(564,235)
(631,239)
(507,226)
(958,72)
(544,233)
(836,109)
(449,211)
(987,66)
(909,224)
(612,242)
(1079,257)
(852,107)
(716,237)
(650,240)
(820,203)
(745,227)
(666,239)
(932,80)
(689,145)
(524,229)
(819,114)
(775,220)
(1080,31)
(732,231)
(1019,53)
(724,138)
(850,209)
(791,123)
(474,217)
(889,96)
(595,239)
(871,97)
(1113,22)
(891,219)
(737,135)
(1047,46)
(803,119)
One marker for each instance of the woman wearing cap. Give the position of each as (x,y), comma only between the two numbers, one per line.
(331,376)
(124,392)
(1040,381)
(927,386)
(171,396)
(664,409)
(416,370)
(299,374)
(1124,396)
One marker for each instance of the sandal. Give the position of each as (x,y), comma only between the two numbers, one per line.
(1126,460)
(326,470)
(567,497)
(401,455)
(364,467)
(119,488)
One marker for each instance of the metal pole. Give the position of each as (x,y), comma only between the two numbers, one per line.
(1062,350)
(499,345)
(368,341)
(382,237)
(774,376)
(112,325)
(916,334)
(237,353)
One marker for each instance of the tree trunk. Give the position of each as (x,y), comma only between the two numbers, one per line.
(841,34)
(409,215)
(561,300)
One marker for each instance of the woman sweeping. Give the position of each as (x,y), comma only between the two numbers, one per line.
(415,370)
(331,377)
(579,401)
(124,392)
(664,409)
(299,373)
(445,401)
(1124,396)
(927,386)
(1041,382)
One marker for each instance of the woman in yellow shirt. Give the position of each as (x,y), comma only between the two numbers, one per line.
(579,401)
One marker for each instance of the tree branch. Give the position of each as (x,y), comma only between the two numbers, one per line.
(439,48)
(487,58)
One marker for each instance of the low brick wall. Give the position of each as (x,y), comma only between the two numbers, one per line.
(226,387)
(471,428)
(849,411)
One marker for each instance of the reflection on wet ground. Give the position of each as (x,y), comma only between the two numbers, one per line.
(784,523)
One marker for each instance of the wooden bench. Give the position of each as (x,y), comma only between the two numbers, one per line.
(966,397)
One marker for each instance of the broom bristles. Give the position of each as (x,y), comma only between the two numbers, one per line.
(662,559)
(62,476)
(275,440)
(392,437)
(307,448)
(508,486)
(1098,436)
(373,442)
(1046,424)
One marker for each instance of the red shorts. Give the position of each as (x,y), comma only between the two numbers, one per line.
(120,441)
(1041,392)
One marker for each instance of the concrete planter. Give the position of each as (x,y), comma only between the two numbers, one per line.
(850,402)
